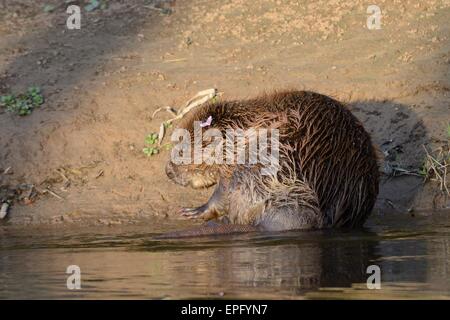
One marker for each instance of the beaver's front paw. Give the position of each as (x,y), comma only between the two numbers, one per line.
(203,212)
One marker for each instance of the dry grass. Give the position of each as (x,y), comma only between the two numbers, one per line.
(437,166)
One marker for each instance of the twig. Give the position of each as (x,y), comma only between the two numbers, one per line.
(438,168)
(200,98)
(175,60)
(53,193)
(169,109)
(154,8)
(66,180)
(99,174)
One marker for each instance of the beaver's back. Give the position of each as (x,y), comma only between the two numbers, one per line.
(328,147)
(334,155)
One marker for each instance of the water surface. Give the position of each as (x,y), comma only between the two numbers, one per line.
(124,262)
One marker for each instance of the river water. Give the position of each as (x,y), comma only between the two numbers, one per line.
(413,254)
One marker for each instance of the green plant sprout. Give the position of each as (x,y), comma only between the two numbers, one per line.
(151,140)
(24,103)
(423,171)
(95,4)
(167,125)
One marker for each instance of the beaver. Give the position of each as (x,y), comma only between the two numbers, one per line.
(328,168)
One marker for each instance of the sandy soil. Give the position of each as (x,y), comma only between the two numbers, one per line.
(103,82)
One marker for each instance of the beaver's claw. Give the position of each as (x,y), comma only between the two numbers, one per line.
(191,212)
(202,212)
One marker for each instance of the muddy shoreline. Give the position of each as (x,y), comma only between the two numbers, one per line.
(78,159)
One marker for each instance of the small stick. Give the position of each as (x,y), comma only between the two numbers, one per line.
(200,98)
(162,132)
(169,109)
(62,175)
(154,8)
(175,60)
(436,166)
(99,174)
(53,194)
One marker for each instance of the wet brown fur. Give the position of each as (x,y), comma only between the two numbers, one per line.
(329,171)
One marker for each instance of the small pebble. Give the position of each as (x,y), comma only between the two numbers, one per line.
(4,210)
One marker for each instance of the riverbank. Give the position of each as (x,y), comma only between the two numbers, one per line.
(78,157)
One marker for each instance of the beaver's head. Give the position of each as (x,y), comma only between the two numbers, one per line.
(196,174)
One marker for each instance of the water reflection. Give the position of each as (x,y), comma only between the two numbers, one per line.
(414,259)
(289,268)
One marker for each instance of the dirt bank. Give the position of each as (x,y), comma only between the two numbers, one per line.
(79,158)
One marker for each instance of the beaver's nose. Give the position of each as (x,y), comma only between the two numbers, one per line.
(169,171)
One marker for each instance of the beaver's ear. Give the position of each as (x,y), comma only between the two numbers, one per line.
(206,123)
